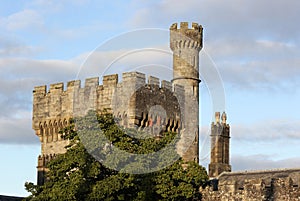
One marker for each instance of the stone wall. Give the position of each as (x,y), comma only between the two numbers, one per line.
(134,101)
(151,106)
(269,185)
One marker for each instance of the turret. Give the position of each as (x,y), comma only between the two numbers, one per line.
(219,156)
(186,44)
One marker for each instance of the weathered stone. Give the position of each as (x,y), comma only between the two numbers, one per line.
(133,98)
(268,185)
(155,107)
(219,156)
(172,107)
(186,44)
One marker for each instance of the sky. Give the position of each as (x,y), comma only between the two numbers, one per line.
(254,46)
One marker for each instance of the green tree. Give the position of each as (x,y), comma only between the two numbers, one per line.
(76,175)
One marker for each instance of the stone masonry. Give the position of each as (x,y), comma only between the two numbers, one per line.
(266,185)
(186,44)
(165,106)
(219,156)
(135,102)
(155,107)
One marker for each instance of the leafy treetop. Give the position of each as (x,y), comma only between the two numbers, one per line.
(76,175)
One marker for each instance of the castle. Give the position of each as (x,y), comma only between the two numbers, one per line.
(155,106)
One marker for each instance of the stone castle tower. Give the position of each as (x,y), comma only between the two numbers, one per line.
(151,106)
(157,107)
(219,156)
(186,44)
(147,104)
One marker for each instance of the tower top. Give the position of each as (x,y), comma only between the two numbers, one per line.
(185,26)
(184,33)
(224,118)
(219,117)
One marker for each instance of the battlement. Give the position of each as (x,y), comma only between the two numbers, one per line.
(60,102)
(185,37)
(135,100)
(108,81)
(134,76)
(185,26)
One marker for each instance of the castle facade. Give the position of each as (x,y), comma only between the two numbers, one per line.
(159,106)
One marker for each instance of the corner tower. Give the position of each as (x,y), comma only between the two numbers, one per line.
(219,156)
(186,44)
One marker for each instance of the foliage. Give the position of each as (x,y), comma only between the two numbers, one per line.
(76,175)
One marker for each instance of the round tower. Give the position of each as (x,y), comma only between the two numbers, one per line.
(186,44)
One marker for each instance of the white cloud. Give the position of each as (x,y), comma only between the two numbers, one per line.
(131,51)
(18,78)
(266,145)
(226,17)
(262,162)
(47,70)
(20,75)
(56,5)
(247,64)
(22,20)
(12,47)
(17,131)
(255,44)
(269,130)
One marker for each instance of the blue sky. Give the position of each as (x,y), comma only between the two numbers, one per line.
(255,45)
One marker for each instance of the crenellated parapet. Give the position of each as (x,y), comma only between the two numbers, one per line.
(135,100)
(185,37)
(186,44)
(148,104)
(157,109)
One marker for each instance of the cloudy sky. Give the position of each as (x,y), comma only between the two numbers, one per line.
(254,45)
